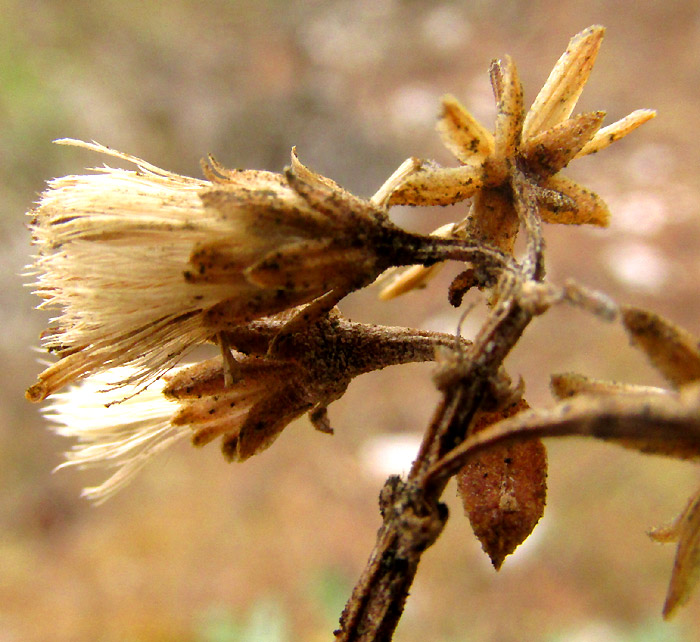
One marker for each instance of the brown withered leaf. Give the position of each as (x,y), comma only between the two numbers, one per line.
(674,352)
(503,489)
(665,423)
(686,567)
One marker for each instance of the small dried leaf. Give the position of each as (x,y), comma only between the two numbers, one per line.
(667,425)
(503,489)
(673,351)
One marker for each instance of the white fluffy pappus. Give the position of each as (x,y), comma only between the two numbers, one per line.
(113,430)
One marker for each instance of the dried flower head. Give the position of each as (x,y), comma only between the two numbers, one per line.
(112,248)
(525,153)
(145,264)
(312,369)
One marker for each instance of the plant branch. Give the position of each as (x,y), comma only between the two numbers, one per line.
(412,513)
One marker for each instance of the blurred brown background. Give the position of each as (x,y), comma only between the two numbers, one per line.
(198,550)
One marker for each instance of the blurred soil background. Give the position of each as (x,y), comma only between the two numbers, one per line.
(196,550)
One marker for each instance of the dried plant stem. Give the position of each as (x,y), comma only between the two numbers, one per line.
(412,512)
(654,423)
(436,249)
(526,206)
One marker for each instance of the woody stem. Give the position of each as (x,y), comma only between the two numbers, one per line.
(413,516)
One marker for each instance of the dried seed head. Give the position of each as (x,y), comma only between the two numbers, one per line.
(122,428)
(113,249)
(144,264)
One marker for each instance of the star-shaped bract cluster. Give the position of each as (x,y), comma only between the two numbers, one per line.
(536,145)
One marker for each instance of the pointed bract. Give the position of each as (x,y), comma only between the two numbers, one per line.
(619,129)
(559,95)
(433,185)
(553,149)
(509,108)
(461,133)
(590,208)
